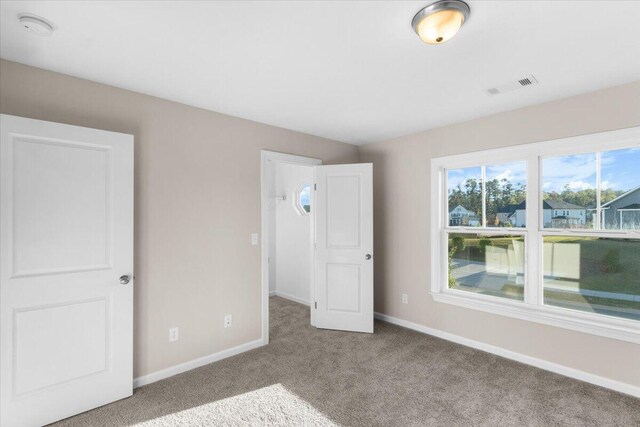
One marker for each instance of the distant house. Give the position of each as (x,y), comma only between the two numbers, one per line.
(561,214)
(623,212)
(555,214)
(505,213)
(462,216)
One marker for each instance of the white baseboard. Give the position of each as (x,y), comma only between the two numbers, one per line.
(195,363)
(272,293)
(291,297)
(518,357)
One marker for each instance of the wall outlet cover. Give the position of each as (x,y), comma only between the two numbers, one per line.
(227,321)
(173,334)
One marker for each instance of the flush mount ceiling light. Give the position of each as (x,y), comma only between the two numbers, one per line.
(440,21)
(35,24)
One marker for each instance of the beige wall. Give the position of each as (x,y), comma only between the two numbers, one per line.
(197,186)
(197,200)
(402,235)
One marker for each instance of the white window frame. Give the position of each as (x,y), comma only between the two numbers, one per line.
(532,308)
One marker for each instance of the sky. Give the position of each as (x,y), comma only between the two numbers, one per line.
(577,171)
(621,169)
(620,172)
(305,195)
(515,172)
(459,176)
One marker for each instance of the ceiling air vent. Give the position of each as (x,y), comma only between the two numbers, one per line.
(508,87)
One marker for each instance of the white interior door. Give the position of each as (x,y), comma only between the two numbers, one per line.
(67,237)
(344,247)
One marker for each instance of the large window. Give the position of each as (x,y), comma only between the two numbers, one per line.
(548,232)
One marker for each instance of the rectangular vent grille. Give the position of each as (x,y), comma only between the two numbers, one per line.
(517,84)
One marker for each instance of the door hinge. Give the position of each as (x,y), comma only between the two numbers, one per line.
(316,305)
(315,187)
(315,246)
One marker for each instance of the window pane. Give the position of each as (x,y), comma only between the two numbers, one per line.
(620,189)
(303,199)
(569,191)
(464,187)
(593,274)
(491,265)
(505,191)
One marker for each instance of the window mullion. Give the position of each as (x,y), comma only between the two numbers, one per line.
(484,196)
(533,273)
(597,222)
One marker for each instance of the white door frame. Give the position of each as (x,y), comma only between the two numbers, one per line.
(273,156)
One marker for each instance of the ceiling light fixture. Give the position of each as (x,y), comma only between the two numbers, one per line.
(35,24)
(440,21)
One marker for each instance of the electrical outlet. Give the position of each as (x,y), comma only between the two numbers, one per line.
(227,321)
(405,299)
(254,239)
(173,334)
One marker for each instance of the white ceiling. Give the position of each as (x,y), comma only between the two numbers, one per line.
(351,71)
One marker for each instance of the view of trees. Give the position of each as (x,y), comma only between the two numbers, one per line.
(585,198)
(500,194)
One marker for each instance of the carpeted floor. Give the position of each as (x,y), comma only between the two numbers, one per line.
(395,377)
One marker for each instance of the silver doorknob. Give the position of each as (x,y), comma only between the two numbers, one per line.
(125,279)
(367,256)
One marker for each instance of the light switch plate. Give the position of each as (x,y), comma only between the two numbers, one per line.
(254,239)
(173,334)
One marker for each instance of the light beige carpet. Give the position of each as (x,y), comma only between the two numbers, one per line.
(395,377)
(268,406)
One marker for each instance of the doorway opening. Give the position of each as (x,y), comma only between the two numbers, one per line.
(287,230)
(317,240)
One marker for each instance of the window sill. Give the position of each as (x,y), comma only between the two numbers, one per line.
(619,329)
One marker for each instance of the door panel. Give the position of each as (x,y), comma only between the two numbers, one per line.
(66,223)
(343,211)
(343,287)
(46,219)
(81,325)
(344,238)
